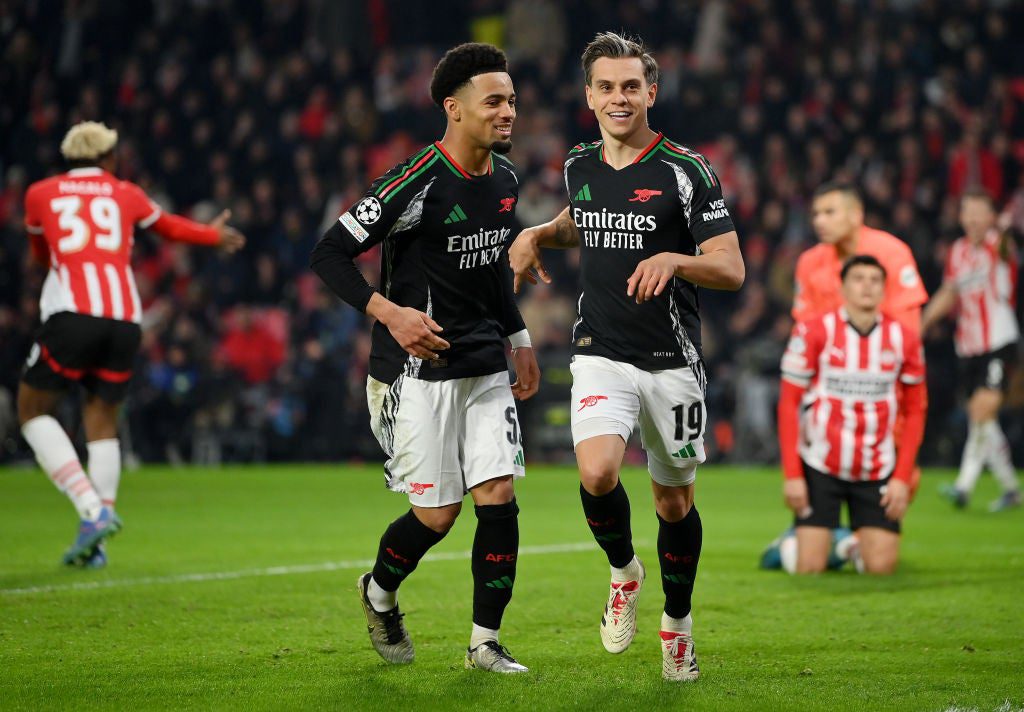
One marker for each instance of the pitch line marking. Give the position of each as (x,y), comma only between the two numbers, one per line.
(278,570)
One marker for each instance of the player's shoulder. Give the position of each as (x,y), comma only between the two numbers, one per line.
(812,330)
(503,165)
(813,257)
(584,150)
(687,157)
(883,244)
(44,186)
(417,168)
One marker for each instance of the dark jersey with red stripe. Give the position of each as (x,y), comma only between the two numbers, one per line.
(444,236)
(667,200)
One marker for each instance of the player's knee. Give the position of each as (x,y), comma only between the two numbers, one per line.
(496,491)
(881,564)
(811,565)
(30,406)
(672,507)
(598,477)
(440,519)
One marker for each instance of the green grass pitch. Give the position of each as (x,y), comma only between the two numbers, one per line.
(235,589)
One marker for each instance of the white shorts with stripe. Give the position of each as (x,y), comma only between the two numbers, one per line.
(612,398)
(443,438)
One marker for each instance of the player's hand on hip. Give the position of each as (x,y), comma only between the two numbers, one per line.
(524,258)
(231,240)
(527,372)
(795,493)
(651,276)
(896,499)
(417,333)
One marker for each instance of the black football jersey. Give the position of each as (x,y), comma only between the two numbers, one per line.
(668,200)
(445,236)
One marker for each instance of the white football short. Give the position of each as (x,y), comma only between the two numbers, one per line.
(443,438)
(612,398)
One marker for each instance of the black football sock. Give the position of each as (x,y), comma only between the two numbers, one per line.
(495,550)
(404,543)
(679,551)
(608,517)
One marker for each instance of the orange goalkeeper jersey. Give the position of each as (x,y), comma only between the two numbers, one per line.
(818,285)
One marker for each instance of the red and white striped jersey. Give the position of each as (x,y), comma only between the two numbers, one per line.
(87,218)
(850,406)
(986,287)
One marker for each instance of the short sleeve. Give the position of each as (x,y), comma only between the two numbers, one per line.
(708,215)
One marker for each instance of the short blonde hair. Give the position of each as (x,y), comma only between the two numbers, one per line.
(87,141)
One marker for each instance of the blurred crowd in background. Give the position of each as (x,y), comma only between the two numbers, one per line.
(284,111)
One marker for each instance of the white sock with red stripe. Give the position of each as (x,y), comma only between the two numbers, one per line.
(56,455)
(677,625)
(973,458)
(999,456)
(105,468)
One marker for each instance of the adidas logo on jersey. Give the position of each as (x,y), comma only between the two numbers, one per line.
(456,215)
(583,193)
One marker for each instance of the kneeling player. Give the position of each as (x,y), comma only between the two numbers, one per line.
(447,421)
(841,372)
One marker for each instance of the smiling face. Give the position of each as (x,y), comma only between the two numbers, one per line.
(620,96)
(484,109)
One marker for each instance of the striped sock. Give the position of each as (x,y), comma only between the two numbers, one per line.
(56,455)
(105,468)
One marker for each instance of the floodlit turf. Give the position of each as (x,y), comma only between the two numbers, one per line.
(947,631)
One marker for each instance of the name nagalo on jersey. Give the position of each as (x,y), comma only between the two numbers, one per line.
(85,187)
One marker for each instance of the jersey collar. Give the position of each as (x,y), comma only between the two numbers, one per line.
(845,316)
(87,171)
(643,154)
(456,168)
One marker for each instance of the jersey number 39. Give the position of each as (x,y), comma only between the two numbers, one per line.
(106,219)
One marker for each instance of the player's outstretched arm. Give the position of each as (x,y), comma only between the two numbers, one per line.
(718,266)
(217,234)
(524,254)
(939,306)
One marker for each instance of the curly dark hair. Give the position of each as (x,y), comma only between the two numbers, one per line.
(462,63)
